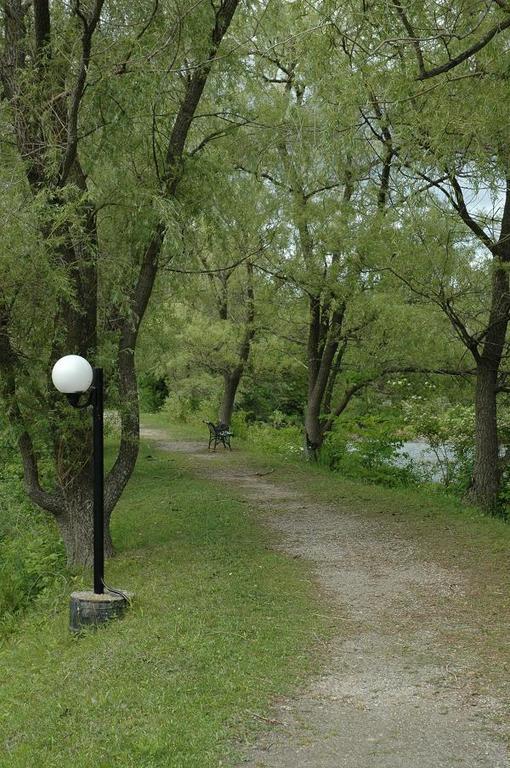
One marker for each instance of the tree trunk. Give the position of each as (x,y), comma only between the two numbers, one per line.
(486,473)
(76,525)
(231,383)
(314,436)
(231,379)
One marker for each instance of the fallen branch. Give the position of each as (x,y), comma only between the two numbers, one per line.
(269,720)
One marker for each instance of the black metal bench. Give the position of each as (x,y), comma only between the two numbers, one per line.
(218,433)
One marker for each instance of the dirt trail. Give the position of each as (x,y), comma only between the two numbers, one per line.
(391,694)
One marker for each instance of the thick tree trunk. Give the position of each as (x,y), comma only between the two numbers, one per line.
(314,436)
(231,383)
(76,528)
(486,473)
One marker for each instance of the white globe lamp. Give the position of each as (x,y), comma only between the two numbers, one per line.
(72,374)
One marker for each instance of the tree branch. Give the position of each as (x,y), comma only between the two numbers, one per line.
(456,60)
(412,36)
(89,25)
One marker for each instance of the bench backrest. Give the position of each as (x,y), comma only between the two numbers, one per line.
(215,430)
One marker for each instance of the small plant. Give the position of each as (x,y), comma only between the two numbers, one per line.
(286,441)
(369,448)
(239,425)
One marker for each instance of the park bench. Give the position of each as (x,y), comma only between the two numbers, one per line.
(218,433)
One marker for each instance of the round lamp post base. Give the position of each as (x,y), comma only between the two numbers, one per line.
(87,609)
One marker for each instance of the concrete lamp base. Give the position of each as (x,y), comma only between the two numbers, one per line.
(87,609)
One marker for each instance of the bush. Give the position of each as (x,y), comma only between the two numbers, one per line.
(284,441)
(178,408)
(239,425)
(190,408)
(449,431)
(369,449)
(31,553)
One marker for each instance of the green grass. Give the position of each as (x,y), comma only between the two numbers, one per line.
(219,626)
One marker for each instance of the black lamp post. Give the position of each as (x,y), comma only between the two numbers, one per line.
(74,376)
(97,418)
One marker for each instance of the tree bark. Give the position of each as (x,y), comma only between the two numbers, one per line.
(486,474)
(76,526)
(314,436)
(231,379)
(230,385)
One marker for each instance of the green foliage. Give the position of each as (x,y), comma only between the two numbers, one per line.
(284,441)
(448,430)
(369,448)
(281,170)
(153,392)
(191,407)
(178,407)
(239,425)
(31,554)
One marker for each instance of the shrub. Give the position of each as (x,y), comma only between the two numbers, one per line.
(370,449)
(285,441)
(449,431)
(178,407)
(239,425)
(31,553)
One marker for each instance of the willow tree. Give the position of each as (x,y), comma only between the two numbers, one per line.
(74,116)
(306,146)
(440,77)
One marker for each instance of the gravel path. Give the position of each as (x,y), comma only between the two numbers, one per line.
(391,694)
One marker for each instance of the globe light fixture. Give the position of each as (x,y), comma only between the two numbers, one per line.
(74,377)
(72,374)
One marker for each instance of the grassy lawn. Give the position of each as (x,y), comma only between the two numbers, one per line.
(220,625)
